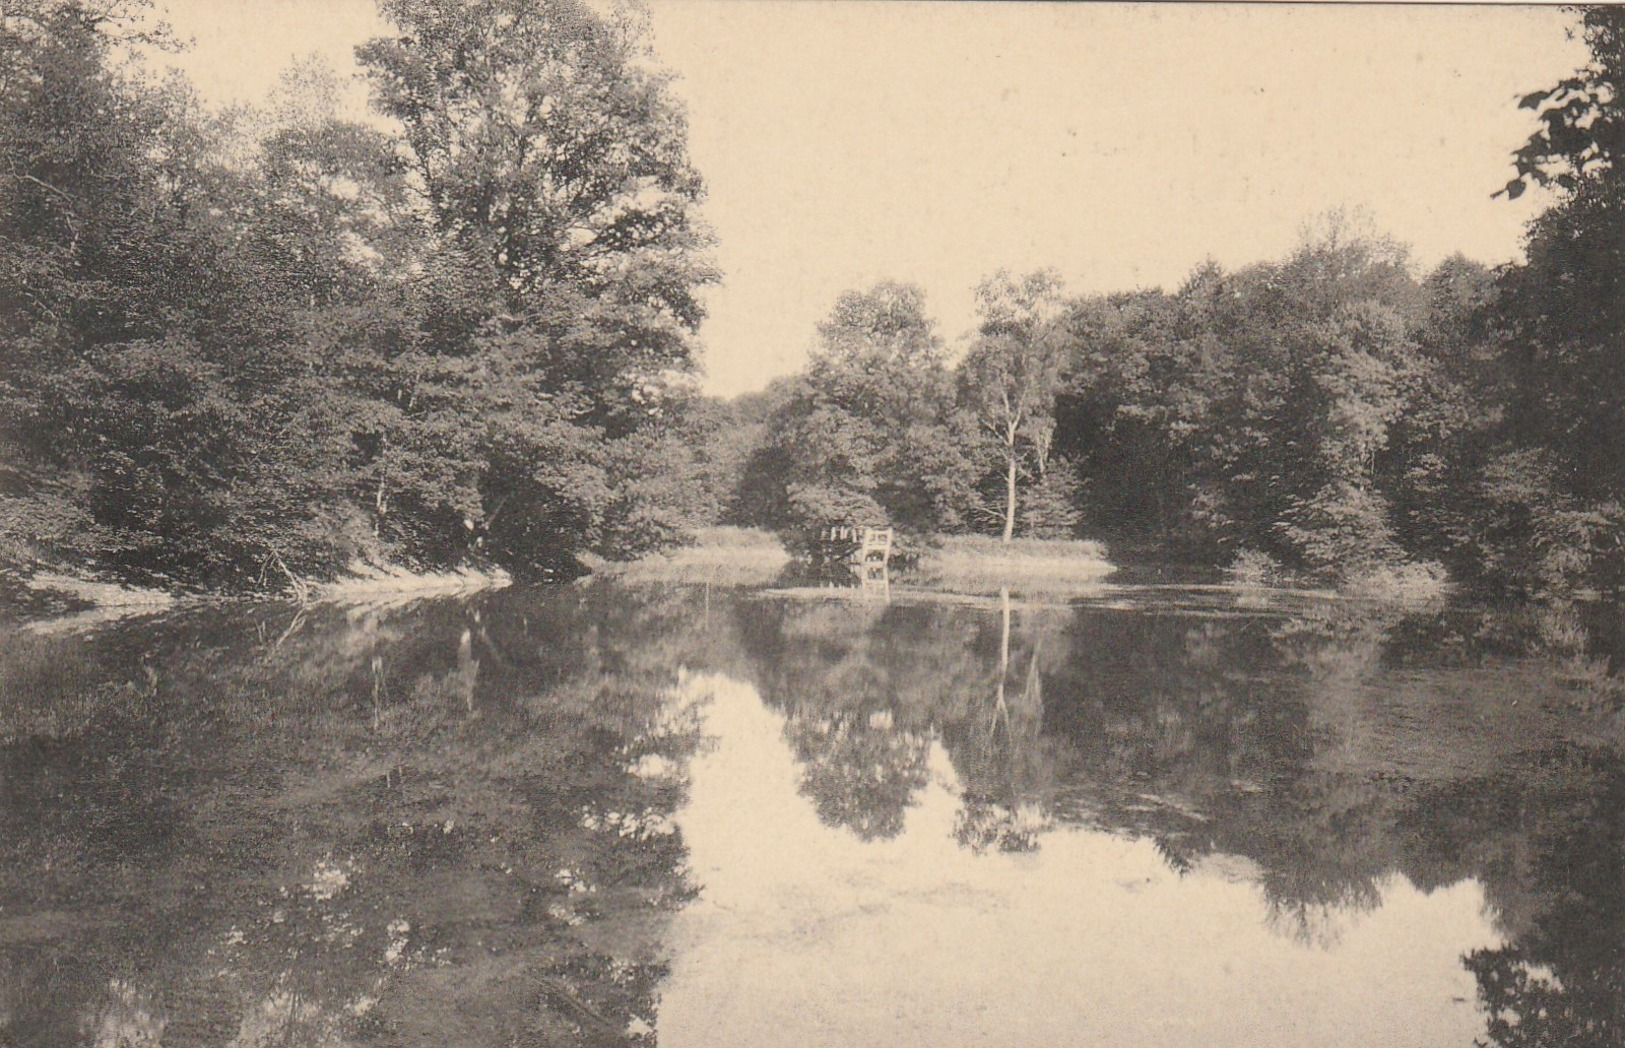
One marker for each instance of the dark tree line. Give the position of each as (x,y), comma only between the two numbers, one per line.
(246,347)
(1335,414)
(1311,412)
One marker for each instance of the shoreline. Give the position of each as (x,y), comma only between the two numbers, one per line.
(52,600)
(717,555)
(753,556)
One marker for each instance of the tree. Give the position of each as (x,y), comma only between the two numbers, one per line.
(1012,374)
(566,255)
(868,432)
(1314,354)
(557,175)
(1282,408)
(155,403)
(1560,320)
(1582,130)
(1132,410)
(1443,445)
(233,342)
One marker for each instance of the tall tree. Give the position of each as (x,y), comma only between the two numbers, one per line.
(1562,310)
(1561,325)
(1133,406)
(868,431)
(1582,117)
(1281,408)
(147,385)
(567,255)
(1012,374)
(556,168)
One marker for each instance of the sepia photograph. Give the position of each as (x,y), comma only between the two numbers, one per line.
(811,524)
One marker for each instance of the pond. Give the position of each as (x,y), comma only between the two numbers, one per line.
(628,814)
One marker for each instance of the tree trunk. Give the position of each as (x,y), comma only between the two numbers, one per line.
(1000,707)
(1010,497)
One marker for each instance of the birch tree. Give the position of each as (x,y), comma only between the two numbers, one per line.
(1012,374)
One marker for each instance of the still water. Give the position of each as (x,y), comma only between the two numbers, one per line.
(621,814)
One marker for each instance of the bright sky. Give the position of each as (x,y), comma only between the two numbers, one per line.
(1121,144)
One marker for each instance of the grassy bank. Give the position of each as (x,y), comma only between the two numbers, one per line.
(370,583)
(969,563)
(978,563)
(50,601)
(722,556)
(1404,583)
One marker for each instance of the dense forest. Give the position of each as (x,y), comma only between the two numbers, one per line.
(248,347)
(251,346)
(1335,415)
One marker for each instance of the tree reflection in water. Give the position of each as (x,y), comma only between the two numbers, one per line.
(1547,837)
(860,773)
(445,823)
(1001,757)
(1333,746)
(454,821)
(840,672)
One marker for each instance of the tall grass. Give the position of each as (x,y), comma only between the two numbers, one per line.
(723,556)
(980,564)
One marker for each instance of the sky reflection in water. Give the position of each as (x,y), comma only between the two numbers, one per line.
(806,935)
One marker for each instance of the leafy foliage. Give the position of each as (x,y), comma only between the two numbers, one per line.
(1258,410)
(1009,379)
(1560,324)
(250,346)
(558,184)
(869,433)
(1582,127)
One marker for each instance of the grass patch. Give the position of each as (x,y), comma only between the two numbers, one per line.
(972,564)
(99,594)
(988,547)
(979,564)
(1406,583)
(722,556)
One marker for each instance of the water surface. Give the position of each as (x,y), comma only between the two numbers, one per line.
(639,814)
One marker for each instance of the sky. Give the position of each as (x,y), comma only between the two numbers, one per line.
(1120,144)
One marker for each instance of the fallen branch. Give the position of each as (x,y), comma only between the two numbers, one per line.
(301,588)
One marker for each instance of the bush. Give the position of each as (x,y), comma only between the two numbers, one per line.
(1252,567)
(1340,532)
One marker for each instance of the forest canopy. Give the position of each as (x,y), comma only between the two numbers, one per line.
(243,348)
(252,346)
(1338,414)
